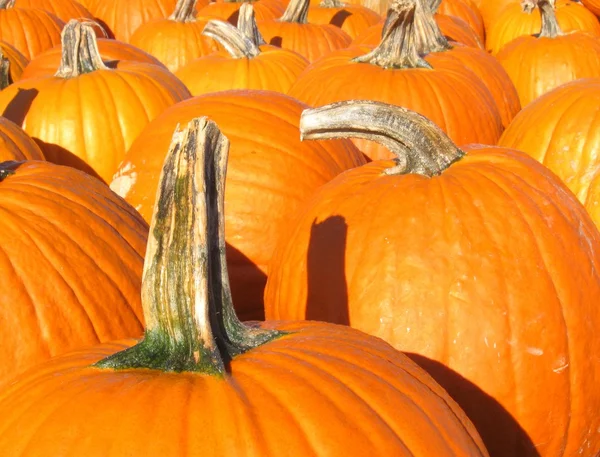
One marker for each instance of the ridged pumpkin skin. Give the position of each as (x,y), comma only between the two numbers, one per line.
(433,266)
(592,5)
(318,374)
(65,10)
(18,61)
(467,11)
(15,144)
(352,19)
(538,65)
(71,264)
(559,129)
(266,156)
(229,11)
(490,11)
(31,31)
(513,23)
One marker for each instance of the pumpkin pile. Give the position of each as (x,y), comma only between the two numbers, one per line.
(300,227)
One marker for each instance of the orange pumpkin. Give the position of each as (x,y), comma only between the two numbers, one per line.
(229,10)
(71,264)
(538,64)
(30,30)
(463,9)
(421,251)
(175,40)
(266,156)
(439,86)
(167,392)
(92,127)
(15,144)
(17,61)
(514,22)
(65,10)
(592,5)
(352,19)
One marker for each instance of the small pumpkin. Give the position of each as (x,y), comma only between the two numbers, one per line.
(15,144)
(202,382)
(424,255)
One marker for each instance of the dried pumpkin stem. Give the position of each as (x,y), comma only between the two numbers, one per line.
(434,5)
(185,11)
(550,27)
(428,36)
(80,52)
(331,4)
(296,12)
(6,4)
(237,45)
(397,48)
(419,145)
(246,24)
(5,79)
(191,323)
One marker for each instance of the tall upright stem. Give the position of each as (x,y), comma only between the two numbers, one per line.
(80,52)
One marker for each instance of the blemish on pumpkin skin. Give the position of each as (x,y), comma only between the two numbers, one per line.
(123,184)
(535,351)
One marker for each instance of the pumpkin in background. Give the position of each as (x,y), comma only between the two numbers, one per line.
(17,61)
(352,19)
(229,10)
(71,264)
(65,10)
(491,10)
(424,255)
(15,144)
(30,30)
(463,9)
(120,18)
(592,5)
(516,21)
(438,86)
(175,40)
(96,112)
(270,174)
(112,52)
(247,63)
(293,31)
(538,64)
(559,129)
(228,388)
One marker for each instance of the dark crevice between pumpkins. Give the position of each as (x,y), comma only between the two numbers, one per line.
(190,319)
(80,52)
(419,145)
(5,173)
(550,27)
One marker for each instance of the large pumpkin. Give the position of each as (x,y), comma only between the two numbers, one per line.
(352,19)
(65,10)
(96,112)
(203,383)
(71,264)
(479,262)
(438,86)
(464,9)
(270,174)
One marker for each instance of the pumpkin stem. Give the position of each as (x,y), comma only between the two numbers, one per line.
(237,45)
(296,11)
(246,24)
(428,35)
(434,5)
(5,173)
(397,48)
(80,52)
(185,11)
(5,79)
(6,4)
(550,27)
(191,323)
(331,4)
(419,145)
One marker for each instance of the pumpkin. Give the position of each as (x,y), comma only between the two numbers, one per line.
(247,63)
(551,58)
(516,20)
(559,130)
(491,10)
(202,382)
(439,86)
(96,112)
(266,157)
(16,61)
(463,9)
(293,31)
(65,10)
(177,39)
(592,5)
(352,19)
(71,263)
(15,144)
(30,30)
(229,10)
(112,52)
(424,255)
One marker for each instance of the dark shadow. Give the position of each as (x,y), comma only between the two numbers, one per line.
(340,17)
(61,156)
(104,29)
(233,19)
(327,296)
(18,107)
(247,285)
(501,433)
(276,41)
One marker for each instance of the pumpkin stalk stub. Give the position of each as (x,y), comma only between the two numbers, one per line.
(296,12)
(7,4)
(331,4)
(246,24)
(550,27)
(185,11)
(419,145)
(5,79)
(191,323)
(80,52)
(235,43)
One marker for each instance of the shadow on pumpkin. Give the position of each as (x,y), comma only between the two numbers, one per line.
(18,107)
(247,283)
(276,41)
(339,18)
(501,433)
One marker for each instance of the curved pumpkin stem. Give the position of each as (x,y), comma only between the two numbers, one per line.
(296,11)
(246,24)
(419,145)
(550,27)
(235,43)
(80,52)
(191,323)
(6,4)
(5,79)
(397,48)
(185,11)
(331,4)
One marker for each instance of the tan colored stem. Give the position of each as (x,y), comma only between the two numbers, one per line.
(80,52)
(6,4)
(434,5)
(190,320)
(296,12)
(419,145)
(237,45)
(246,24)
(5,79)
(185,11)
(429,37)
(397,48)
(550,27)
(331,4)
